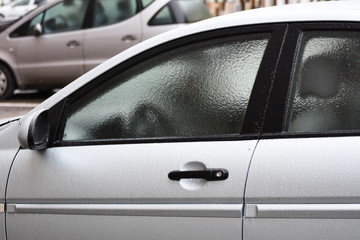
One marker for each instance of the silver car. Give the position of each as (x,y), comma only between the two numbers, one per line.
(243,127)
(18,8)
(56,43)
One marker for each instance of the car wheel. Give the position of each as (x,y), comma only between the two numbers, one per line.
(2,16)
(7,82)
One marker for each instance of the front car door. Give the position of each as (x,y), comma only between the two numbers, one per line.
(56,56)
(128,142)
(303,180)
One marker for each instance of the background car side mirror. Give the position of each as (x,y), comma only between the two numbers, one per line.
(34,131)
(38,30)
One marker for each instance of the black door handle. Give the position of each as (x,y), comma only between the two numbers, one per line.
(210,174)
(73,44)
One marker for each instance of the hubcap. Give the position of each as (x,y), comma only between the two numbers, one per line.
(3,82)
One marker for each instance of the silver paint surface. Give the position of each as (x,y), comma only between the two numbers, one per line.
(8,148)
(314,211)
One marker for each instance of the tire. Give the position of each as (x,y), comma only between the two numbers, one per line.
(7,83)
(2,16)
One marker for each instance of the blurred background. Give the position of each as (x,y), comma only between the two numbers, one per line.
(220,7)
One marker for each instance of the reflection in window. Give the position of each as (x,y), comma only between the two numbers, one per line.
(327,86)
(196,90)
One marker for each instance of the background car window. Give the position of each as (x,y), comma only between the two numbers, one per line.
(196,90)
(181,11)
(327,86)
(22,3)
(33,22)
(65,16)
(163,17)
(146,3)
(110,11)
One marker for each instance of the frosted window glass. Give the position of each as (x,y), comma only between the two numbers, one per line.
(327,86)
(196,90)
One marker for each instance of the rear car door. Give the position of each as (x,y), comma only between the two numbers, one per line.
(116,26)
(303,180)
(156,148)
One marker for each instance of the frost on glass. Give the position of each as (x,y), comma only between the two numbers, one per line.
(200,89)
(327,90)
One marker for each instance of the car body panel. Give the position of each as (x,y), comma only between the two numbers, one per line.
(76,227)
(2,226)
(298,229)
(8,148)
(128,33)
(115,189)
(304,183)
(50,58)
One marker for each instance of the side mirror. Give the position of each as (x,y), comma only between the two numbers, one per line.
(38,30)
(34,131)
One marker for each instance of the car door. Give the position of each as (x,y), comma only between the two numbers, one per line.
(156,148)
(7,132)
(303,180)
(56,55)
(116,26)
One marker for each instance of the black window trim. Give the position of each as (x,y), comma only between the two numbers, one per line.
(280,97)
(258,101)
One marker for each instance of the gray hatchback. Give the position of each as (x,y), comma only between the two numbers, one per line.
(56,43)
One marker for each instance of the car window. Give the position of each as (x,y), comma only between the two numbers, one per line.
(22,3)
(65,16)
(181,11)
(146,3)
(33,22)
(110,12)
(327,87)
(163,17)
(37,2)
(196,90)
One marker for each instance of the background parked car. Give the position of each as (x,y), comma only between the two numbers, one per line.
(19,8)
(56,43)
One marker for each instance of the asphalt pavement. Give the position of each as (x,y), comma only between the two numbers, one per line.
(21,103)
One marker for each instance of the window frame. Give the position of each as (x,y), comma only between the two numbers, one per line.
(284,84)
(254,118)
